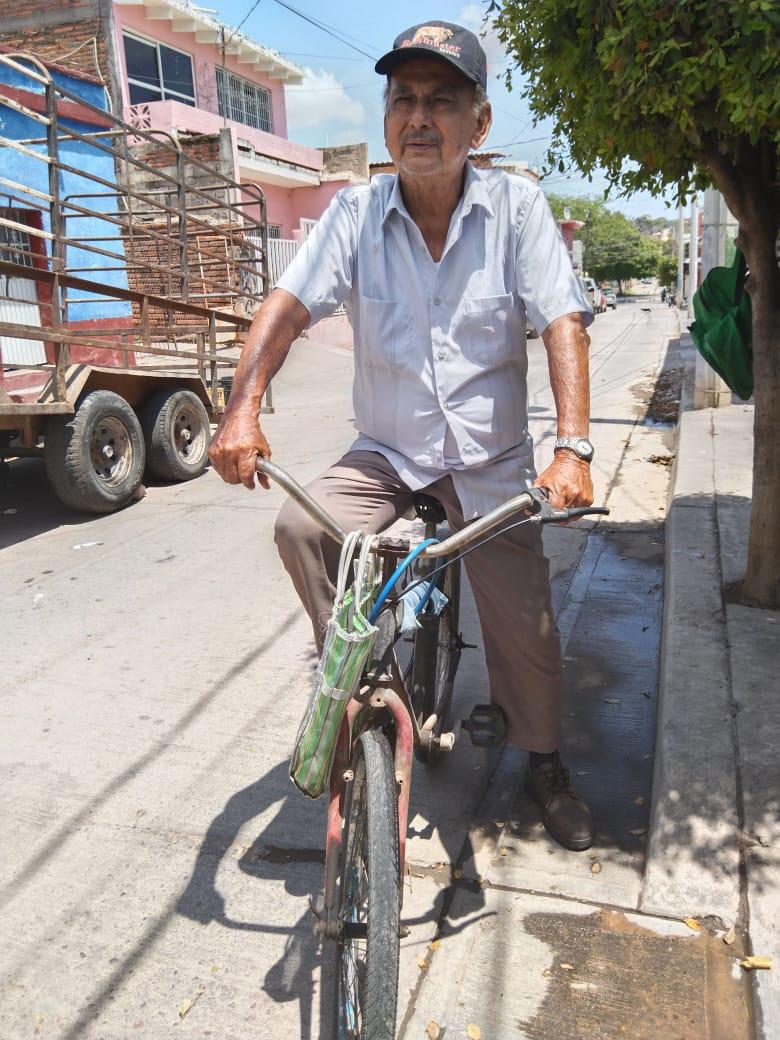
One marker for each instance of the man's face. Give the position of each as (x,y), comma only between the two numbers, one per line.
(430,123)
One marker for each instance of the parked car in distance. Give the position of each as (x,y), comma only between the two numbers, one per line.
(595,294)
(611,299)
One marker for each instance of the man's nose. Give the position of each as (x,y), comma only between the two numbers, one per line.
(421,113)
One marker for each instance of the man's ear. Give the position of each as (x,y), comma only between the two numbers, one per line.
(484,124)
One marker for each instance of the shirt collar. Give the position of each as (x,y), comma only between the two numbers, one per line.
(475,193)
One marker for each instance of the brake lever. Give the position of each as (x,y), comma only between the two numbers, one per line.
(543,511)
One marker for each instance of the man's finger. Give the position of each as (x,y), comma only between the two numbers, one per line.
(247,471)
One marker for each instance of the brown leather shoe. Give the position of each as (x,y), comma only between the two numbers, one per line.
(565,816)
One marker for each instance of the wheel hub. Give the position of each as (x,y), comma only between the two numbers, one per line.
(111,451)
(188,433)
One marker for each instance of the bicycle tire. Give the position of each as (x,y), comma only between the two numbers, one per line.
(366,975)
(435,659)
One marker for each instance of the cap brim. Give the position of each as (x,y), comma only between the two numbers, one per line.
(390,61)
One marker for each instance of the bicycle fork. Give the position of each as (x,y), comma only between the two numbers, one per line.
(328,925)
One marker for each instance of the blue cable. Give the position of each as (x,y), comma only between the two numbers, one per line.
(397,575)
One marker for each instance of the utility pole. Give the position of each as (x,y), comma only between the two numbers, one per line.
(693,253)
(680,252)
(709,389)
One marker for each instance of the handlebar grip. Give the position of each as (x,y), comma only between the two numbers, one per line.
(573,514)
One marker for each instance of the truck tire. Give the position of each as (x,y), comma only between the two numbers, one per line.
(95,458)
(177,434)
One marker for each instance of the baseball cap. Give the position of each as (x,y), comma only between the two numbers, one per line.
(452,43)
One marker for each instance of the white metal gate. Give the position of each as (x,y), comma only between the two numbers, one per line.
(19,301)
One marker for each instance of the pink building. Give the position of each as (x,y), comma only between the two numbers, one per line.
(183,72)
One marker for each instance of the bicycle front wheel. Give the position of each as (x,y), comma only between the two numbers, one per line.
(436,654)
(370,910)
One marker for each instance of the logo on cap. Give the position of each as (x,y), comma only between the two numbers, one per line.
(433,36)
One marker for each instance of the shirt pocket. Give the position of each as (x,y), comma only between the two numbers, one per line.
(486,330)
(385,331)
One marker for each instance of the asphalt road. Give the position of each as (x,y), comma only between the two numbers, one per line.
(156,664)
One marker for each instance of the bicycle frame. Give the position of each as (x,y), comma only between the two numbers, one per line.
(384,689)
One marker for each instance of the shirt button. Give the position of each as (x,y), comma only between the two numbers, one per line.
(436,301)
(442,355)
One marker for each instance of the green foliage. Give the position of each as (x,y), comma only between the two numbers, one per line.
(666,271)
(648,225)
(660,83)
(612,248)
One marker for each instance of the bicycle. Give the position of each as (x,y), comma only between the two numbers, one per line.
(386,725)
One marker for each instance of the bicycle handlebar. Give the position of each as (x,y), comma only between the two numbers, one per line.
(534,501)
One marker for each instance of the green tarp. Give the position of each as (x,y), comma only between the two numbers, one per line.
(722,330)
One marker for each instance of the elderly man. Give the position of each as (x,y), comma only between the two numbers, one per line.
(440,267)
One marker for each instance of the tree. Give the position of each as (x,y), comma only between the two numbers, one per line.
(647,225)
(655,94)
(612,248)
(666,269)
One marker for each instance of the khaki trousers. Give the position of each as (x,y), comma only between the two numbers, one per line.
(509,577)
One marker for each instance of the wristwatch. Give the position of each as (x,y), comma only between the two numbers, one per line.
(581,447)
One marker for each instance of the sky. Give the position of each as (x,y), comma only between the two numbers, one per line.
(340,100)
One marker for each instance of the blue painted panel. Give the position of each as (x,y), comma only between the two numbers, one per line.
(81,156)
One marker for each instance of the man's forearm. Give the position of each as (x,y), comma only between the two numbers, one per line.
(276,326)
(567,345)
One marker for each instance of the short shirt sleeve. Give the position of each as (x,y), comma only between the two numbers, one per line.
(546,281)
(320,276)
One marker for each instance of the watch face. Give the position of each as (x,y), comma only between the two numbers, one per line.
(584,448)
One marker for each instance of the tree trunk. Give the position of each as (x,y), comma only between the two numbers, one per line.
(750,189)
(762,581)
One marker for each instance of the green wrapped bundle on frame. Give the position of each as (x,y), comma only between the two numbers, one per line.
(348,642)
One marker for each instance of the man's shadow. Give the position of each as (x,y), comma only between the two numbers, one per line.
(289,849)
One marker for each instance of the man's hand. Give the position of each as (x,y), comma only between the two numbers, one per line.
(235,447)
(568,480)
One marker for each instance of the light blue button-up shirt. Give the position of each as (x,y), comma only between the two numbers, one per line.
(440,348)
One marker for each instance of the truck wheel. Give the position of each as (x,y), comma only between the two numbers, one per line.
(95,458)
(177,434)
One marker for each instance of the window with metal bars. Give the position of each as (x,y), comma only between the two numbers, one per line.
(243,101)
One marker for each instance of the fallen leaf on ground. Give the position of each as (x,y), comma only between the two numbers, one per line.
(611,700)
(637,831)
(582,772)
(595,868)
(433,1030)
(639,800)
(421,961)
(567,967)
(751,963)
(187,1005)
(473,1032)
(547,973)
(505,852)
(692,923)
(730,937)
(436,944)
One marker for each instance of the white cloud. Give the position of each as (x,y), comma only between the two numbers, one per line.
(321,100)
(472,16)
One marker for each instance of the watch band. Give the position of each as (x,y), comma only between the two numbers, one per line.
(581,447)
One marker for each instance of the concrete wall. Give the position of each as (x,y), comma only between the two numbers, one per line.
(80,155)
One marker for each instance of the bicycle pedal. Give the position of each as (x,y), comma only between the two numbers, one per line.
(486,725)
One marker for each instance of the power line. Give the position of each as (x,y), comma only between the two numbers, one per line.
(243,20)
(335,33)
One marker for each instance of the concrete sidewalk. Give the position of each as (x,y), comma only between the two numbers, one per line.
(714,849)
(537,948)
